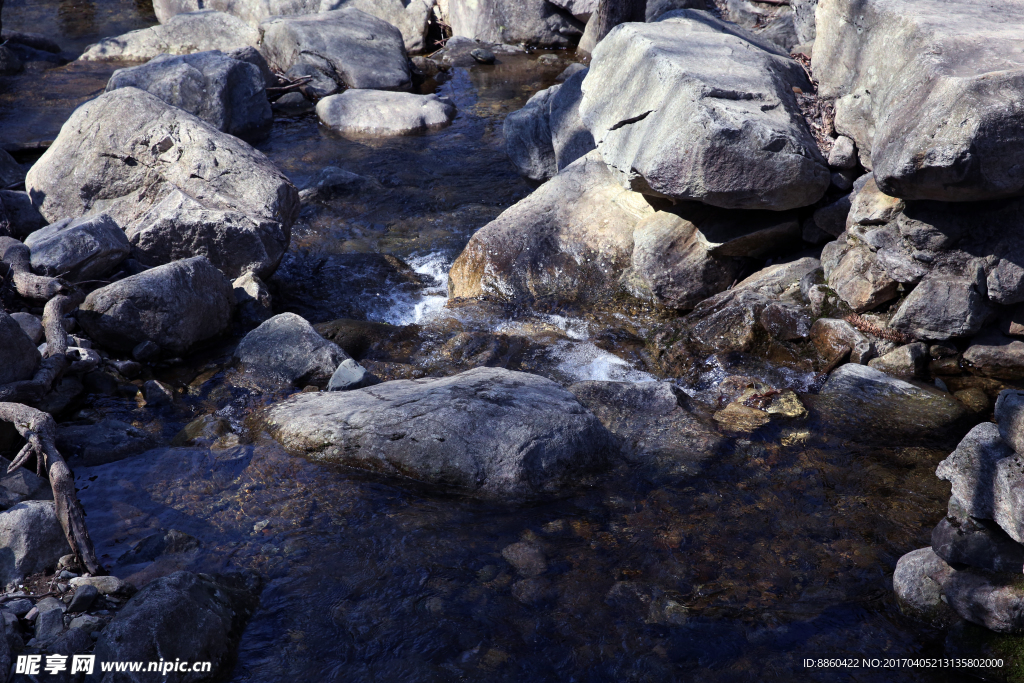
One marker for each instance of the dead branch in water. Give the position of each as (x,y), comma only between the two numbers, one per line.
(887,333)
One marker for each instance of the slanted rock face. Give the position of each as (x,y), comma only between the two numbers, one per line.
(31,538)
(228,94)
(174,306)
(21,358)
(373,112)
(971,469)
(149,627)
(691,109)
(78,249)
(945,127)
(182,35)
(533,22)
(287,348)
(177,186)
(489,431)
(351,47)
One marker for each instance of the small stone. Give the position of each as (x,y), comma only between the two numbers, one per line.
(128,368)
(740,418)
(85,596)
(87,622)
(157,393)
(106,585)
(943,350)
(974,398)
(483,55)
(918,582)
(843,154)
(527,558)
(49,624)
(31,325)
(19,607)
(350,375)
(533,591)
(146,352)
(910,360)
(842,181)
(292,103)
(260,526)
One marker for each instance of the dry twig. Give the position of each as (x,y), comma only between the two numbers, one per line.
(887,333)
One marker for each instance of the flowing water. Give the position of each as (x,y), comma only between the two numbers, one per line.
(781,549)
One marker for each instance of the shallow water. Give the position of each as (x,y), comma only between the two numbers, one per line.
(781,549)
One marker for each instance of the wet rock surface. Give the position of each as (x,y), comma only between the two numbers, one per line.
(376,113)
(286,349)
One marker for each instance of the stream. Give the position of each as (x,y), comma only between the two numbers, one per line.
(779,550)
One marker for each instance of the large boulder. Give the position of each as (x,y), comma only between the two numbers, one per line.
(348,46)
(533,22)
(943,308)
(692,109)
(489,432)
(78,249)
(995,601)
(21,358)
(182,616)
(31,540)
(228,94)
(977,543)
(918,581)
(945,127)
(176,185)
(175,306)
(182,35)
(384,114)
(287,350)
(971,469)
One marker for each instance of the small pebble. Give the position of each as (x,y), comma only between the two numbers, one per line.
(260,526)
(483,55)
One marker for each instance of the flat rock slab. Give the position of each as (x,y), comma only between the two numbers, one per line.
(934,89)
(489,432)
(227,93)
(177,186)
(691,108)
(182,35)
(384,114)
(351,47)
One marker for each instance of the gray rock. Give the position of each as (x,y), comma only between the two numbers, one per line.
(350,375)
(19,607)
(332,182)
(228,94)
(531,22)
(803,19)
(942,308)
(73,641)
(909,360)
(30,325)
(1009,415)
(149,626)
(483,55)
(934,128)
(78,249)
(579,9)
(727,322)
(786,321)
(861,281)
(527,134)
(31,540)
(650,426)
(292,104)
(88,622)
(993,355)
(489,431)
(25,218)
(106,441)
(384,114)
(251,55)
(49,621)
(871,206)
(971,469)
(527,558)
(1008,496)
(977,543)
(146,352)
(174,306)
(21,358)
(843,154)
(181,35)
(656,8)
(83,598)
(156,393)
(11,172)
(321,82)
(692,109)
(995,601)
(286,350)
(353,48)
(918,582)
(181,187)
(252,300)
(570,139)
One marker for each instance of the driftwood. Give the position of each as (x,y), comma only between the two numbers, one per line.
(40,431)
(15,256)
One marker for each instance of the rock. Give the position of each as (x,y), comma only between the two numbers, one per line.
(855,395)
(909,360)
(649,425)
(25,219)
(32,539)
(691,109)
(83,599)
(831,219)
(207,428)
(489,431)
(350,375)
(88,623)
(994,355)
(995,601)
(977,543)
(353,48)
(942,308)
(106,441)
(49,622)
(483,55)
(785,322)
(833,337)
(31,325)
(527,134)
(958,141)
(228,94)
(182,35)
(10,63)
(252,300)
(727,321)
(157,393)
(570,239)
(292,104)
(159,544)
(11,172)
(843,154)
(21,358)
(71,642)
(86,248)
(657,8)
(1009,415)
(531,22)
(527,558)
(146,352)
(579,9)
(1008,496)
(918,582)
(105,585)
(331,182)
(287,350)
(174,306)
(177,186)
(971,469)
(861,282)
(570,138)
(384,114)
(250,55)
(871,206)
(149,626)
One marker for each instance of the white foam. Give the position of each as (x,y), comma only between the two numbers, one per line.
(424,304)
(583,361)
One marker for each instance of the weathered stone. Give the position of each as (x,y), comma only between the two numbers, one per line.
(21,358)
(350,375)
(1009,415)
(488,431)
(174,306)
(181,35)
(157,393)
(977,543)
(531,22)
(843,153)
(942,308)
(945,127)
(25,218)
(527,558)
(103,442)
(871,206)
(105,585)
(228,94)
(83,599)
(657,8)
(527,134)
(287,350)
(85,248)
(832,337)
(861,281)
(570,138)
(31,325)
(971,469)
(995,601)
(177,186)
(252,300)
(918,582)
(993,355)
(351,47)
(31,538)
(1008,496)
(909,360)
(785,322)
(689,108)
(384,114)
(727,322)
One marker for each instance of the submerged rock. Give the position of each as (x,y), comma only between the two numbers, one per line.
(103,442)
(691,108)
(287,350)
(378,113)
(995,601)
(489,432)
(228,94)
(182,35)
